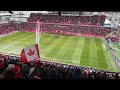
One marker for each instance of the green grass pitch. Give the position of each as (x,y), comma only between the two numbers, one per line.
(116,47)
(80,51)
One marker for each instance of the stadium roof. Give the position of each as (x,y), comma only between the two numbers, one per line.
(5,14)
(107,21)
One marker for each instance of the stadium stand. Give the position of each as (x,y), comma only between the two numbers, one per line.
(90,26)
(11,67)
(91,31)
(114,38)
(85,30)
(78,20)
(7,28)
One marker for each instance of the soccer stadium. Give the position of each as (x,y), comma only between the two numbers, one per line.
(59,45)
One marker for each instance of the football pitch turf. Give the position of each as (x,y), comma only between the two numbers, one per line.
(80,51)
(116,47)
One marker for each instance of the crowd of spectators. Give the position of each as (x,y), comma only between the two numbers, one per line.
(11,67)
(24,26)
(67,29)
(113,38)
(6,28)
(56,23)
(78,20)
(88,30)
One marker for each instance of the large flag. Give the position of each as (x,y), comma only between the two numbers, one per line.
(30,54)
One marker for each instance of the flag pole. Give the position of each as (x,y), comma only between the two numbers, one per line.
(36,33)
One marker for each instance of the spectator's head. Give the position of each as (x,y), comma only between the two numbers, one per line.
(44,73)
(53,74)
(10,74)
(76,74)
(116,76)
(25,68)
(10,66)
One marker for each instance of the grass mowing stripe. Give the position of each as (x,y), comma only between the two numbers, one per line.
(70,50)
(105,53)
(60,55)
(9,44)
(110,60)
(45,37)
(47,43)
(100,54)
(45,51)
(82,39)
(55,49)
(20,40)
(13,37)
(13,49)
(92,53)
(85,53)
(116,48)
(6,47)
(65,55)
(77,51)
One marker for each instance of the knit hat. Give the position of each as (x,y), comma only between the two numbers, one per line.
(76,74)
